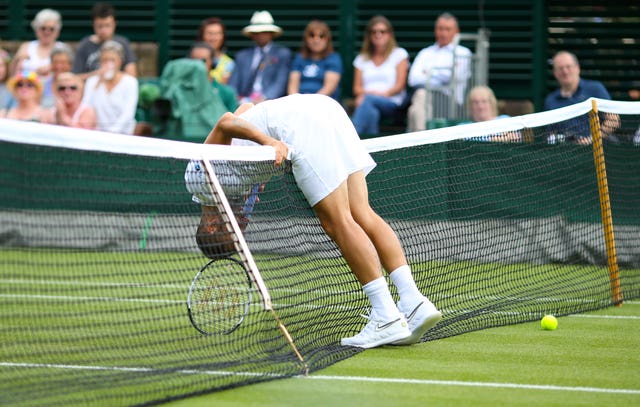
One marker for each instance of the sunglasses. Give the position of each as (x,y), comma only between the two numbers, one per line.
(25,85)
(63,88)
(316,35)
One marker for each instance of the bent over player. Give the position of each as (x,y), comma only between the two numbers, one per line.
(329,164)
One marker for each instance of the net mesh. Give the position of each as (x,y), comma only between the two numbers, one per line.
(98,250)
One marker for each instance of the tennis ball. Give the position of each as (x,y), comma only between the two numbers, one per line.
(549,323)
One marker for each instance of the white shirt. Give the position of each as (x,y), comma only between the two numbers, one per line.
(115,110)
(433,66)
(382,77)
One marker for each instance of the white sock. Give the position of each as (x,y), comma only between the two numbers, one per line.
(406,285)
(381,301)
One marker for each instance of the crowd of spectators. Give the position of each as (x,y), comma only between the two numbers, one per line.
(94,84)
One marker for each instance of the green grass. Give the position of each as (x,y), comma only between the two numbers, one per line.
(582,363)
(66,313)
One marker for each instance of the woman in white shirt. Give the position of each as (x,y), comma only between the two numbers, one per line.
(35,55)
(380,76)
(113,93)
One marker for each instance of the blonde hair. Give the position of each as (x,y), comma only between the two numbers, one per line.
(367,47)
(483,91)
(69,76)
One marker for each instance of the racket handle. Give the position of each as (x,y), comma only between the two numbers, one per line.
(247,209)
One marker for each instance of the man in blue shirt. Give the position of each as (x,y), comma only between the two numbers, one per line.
(573,89)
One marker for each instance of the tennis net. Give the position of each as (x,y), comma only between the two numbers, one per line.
(502,222)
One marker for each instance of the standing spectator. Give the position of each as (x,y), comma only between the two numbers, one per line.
(6,99)
(433,69)
(212,31)
(61,61)
(69,109)
(113,93)
(573,89)
(35,56)
(317,68)
(204,52)
(261,71)
(26,88)
(87,60)
(380,76)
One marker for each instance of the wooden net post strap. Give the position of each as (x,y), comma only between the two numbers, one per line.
(605,204)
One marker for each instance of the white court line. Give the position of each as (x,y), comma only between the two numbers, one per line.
(605,316)
(427,382)
(457,383)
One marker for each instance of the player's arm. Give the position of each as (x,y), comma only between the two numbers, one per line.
(231,126)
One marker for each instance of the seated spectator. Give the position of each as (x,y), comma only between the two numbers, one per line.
(87,59)
(112,93)
(204,52)
(573,89)
(261,71)
(380,76)
(482,106)
(212,31)
(69,109)
(35,56)
(26,89)
(317,68)
(61,61)
(6,99)
(432,70)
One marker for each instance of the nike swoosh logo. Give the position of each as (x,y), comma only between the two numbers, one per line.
(413,313)
(385,326)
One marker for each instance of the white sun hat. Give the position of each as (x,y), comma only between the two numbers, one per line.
(261,21)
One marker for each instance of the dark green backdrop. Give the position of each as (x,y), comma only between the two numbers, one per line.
(524,33)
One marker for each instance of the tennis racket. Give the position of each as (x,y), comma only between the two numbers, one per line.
(219,296)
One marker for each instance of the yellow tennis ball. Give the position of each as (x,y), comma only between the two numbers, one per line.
(549,323)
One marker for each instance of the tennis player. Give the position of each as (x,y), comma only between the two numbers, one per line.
(329,164)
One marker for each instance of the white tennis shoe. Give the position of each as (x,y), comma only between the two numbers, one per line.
(421,318)
(378,332)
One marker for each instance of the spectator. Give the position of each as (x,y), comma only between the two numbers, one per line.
(35,56)
(87,60)
(69,109)
(482,106)
(380,76)
(204,52)
(261,71)
(316,68)
(573,89)
(6,99)
(212,31)
(26,88)
(112,93)
(61,61)
(433,70)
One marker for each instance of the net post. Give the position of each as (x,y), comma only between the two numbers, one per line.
(605,204)
(245,254)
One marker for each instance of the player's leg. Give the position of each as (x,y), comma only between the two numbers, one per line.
(386,324)
(419,311)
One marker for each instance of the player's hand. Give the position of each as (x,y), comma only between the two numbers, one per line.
(281,151)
